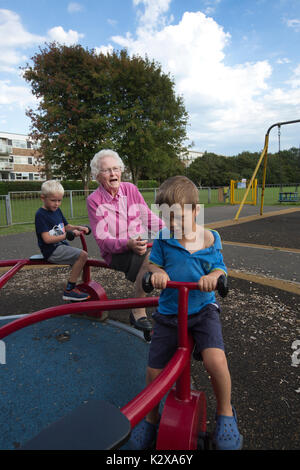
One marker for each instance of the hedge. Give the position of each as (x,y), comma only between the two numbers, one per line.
(147,184)
(11,186)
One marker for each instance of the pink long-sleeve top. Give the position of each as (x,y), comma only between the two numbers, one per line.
(115,219)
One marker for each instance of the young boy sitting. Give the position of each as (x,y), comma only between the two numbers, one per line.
(185,251)
(51,229)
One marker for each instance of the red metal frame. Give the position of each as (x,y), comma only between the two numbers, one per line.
(184,414)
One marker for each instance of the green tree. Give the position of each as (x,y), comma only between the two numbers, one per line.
(216,170)
(149,121)
(70,84)
(210,170)
(89,101)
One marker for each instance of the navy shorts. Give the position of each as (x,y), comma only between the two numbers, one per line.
(204,326)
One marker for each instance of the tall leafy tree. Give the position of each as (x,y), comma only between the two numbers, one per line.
(217,170)
(149,123)
(70,84)
(90,101)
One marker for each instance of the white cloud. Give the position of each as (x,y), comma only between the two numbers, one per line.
(153,16)
(210,6)
(64,37)
(14,38)
(294,24)
(224,101)
(294,81)
(194,52)
(112,22)
(104,49)
(284,60)
(15,95)
(74,7)
(12,32)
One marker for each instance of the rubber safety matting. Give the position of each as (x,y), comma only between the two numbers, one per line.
(54,366)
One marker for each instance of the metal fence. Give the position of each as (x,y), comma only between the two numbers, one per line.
(19,207)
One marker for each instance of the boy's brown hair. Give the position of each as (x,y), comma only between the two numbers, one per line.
(177,190)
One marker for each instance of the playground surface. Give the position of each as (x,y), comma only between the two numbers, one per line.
(260,320)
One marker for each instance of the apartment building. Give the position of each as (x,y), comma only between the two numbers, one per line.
(190,157)
(18,158)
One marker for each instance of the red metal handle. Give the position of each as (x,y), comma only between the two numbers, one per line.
(179,284)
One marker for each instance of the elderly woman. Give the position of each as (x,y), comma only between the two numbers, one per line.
(121,221)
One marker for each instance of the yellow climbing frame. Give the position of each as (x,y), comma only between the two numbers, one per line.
(237,192)
(263,156)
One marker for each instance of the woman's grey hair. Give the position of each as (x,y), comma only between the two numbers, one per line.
(98,157)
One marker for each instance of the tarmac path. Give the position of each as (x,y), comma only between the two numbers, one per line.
(261,259)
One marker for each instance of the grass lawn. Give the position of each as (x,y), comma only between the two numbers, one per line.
(23,209)
(21,228)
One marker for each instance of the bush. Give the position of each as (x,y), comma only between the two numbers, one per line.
(9,186)
(147,184)
(12,186)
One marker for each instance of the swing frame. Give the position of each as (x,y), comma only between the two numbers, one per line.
(263,156)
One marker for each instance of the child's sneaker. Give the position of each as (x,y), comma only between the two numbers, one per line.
(75,295)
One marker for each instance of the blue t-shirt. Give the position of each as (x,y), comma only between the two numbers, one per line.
(52,222)
(181,265)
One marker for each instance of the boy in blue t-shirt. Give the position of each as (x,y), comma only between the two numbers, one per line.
(51,227)
(185,251)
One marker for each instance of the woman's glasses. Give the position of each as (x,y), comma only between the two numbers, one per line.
(115,169)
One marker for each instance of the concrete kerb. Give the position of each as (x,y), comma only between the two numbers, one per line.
(288,286)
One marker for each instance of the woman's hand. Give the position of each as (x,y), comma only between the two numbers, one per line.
(137,245)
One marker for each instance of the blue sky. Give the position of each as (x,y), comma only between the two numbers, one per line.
(235,62)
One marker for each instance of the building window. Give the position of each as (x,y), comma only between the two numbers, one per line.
(22,176)
(21,160)
(20,144)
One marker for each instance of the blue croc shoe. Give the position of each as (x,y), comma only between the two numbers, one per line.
(226,435)
(143,436)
